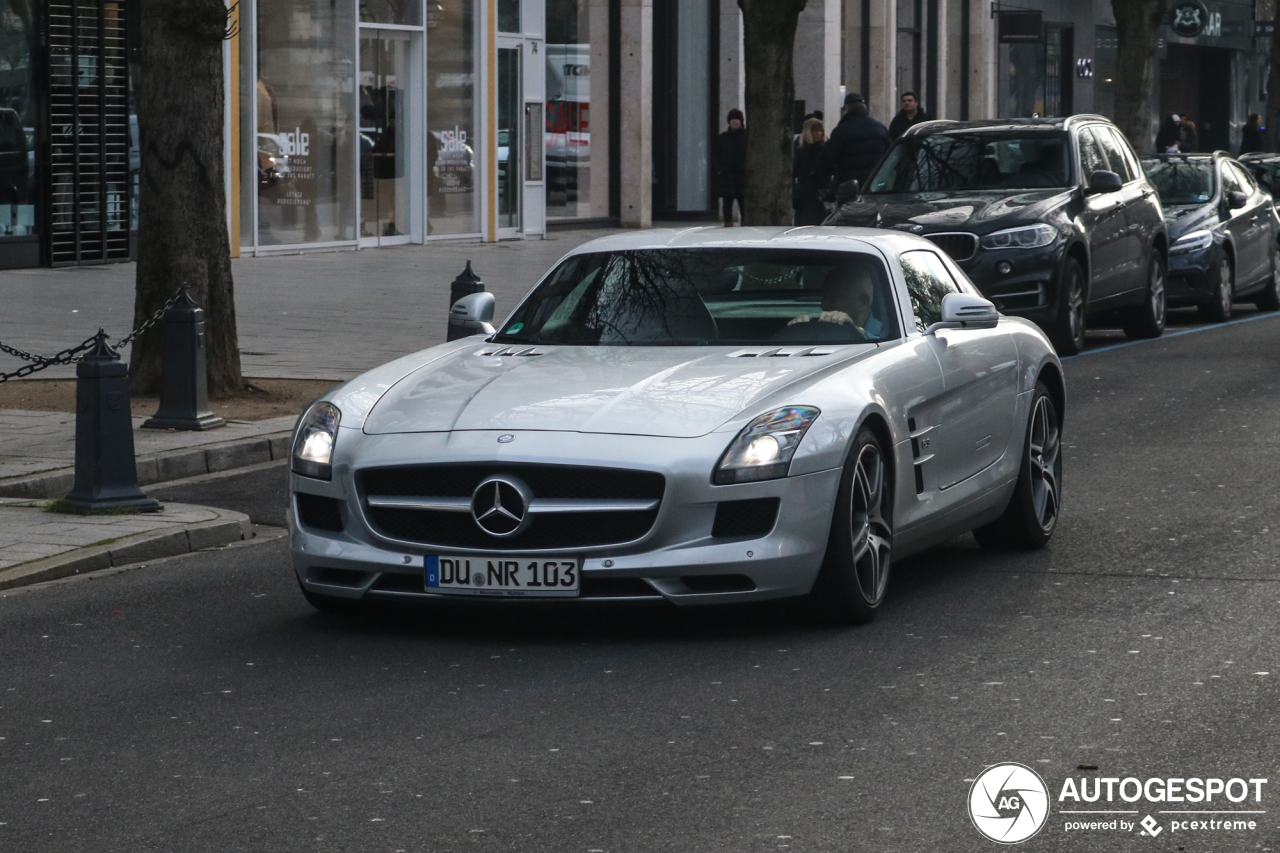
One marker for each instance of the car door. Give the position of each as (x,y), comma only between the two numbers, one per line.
(971,421)
(1238,224)
(1257,229)
(1104,222)
(1141,210)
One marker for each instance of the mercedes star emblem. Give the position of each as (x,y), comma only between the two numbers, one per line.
(500,506)
(507,438)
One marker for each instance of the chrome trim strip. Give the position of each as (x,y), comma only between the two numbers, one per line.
(437,504)
(536,506)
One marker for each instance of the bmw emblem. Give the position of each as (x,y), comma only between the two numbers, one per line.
(506,438)
(917,228)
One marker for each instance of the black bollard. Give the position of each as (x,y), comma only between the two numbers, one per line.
(106,474)
(184,384)
(465,284)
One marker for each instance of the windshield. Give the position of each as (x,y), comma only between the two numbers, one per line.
(1181,181)
(974,161)
(709,297)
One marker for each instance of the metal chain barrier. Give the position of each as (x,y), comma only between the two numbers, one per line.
(70,355)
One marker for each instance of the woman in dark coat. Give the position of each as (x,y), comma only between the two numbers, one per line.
(809,178)
(1188,139)
(731,165)
(1167,138)
(1251,135)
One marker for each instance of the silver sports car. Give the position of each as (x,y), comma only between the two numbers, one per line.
(695,417)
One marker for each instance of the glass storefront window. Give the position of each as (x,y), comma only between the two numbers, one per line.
(577,159)
(406,12)
(509,16)
(19,188)
(451,107)
(306,122)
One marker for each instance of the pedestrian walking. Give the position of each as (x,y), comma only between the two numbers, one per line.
(1167,136)
(731,165)
(1188,139)
(1251,135)
(808,178)
(856,144)
(910,114)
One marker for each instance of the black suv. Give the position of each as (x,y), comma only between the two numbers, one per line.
(1052,219)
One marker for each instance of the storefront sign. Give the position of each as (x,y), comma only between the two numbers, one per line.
(1191,18)
(1020,26)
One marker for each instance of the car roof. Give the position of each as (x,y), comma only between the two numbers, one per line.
(1032,125)
(819,237)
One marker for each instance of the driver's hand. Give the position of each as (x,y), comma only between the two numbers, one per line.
(838,317)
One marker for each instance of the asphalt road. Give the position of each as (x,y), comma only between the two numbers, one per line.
(200,705)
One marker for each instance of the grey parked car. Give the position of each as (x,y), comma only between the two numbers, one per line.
(690,418)
(1223,230)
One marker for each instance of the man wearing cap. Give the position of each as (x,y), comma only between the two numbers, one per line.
(856,145)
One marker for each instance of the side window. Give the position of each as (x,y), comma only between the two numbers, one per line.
(1091,159)
(927,282)
(1114,157)
(1246,180)
(1230,182)
(1125,151)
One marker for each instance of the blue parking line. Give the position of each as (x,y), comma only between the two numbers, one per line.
(1167,335)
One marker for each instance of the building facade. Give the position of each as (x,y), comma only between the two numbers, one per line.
(357,124)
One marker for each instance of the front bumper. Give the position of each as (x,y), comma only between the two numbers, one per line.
(359,562)
(1193,276)
(1029,289)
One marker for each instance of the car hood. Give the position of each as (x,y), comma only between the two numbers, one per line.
(1184,218)
(980,211)
(663,391)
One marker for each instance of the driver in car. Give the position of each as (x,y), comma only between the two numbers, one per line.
(847,298)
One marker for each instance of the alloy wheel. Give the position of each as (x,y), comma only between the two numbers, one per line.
(1075,309)
(1043,450)
(872,535)
(1224,287)
(1157,294)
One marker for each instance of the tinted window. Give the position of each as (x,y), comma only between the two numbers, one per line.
(1230,181)
(1243,176)
(1115,151)
(1181,180)
(700,297)
(966,161)
(1091,158)
(927,283)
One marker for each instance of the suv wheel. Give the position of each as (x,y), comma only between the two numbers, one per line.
(1067,333)
(1147,319)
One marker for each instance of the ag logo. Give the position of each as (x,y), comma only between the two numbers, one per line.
(1008,803)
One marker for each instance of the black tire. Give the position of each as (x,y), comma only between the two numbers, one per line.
(332,605)
(855,571)
(1067,333)
(1269,299)
(1032,515)
(1147,320)
(1218,308)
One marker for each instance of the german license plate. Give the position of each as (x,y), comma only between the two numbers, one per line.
(503,575)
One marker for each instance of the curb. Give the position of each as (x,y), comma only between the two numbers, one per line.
(152,545)
(162,467)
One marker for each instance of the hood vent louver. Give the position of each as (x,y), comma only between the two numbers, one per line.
(783,352)
(504,352)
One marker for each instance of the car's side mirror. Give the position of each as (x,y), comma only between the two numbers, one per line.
(846,192)
(1236,200)
(1104,182)
(472,315)
(963,311)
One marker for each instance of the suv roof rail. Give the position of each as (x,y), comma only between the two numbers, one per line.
(1088,117)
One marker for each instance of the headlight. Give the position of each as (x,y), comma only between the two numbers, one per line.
(313,442)
(1193,242)
(1027,237)
(763,450)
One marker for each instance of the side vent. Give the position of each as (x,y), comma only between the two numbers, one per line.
(783,352)
(512,352)
(920,440)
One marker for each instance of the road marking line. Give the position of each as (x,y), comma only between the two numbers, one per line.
(1269,314)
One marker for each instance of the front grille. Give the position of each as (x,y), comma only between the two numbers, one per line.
(959,245)
(319,513)
(562,530)
(745,518)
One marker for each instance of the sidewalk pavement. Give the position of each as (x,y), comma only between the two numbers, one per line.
(36,545)
(320,315)
(37,451)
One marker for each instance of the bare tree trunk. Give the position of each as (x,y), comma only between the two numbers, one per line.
(1136,23)
(769,34)
(182,207)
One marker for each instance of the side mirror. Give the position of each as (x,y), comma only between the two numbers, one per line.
(472,315)
(1236,200)
(962,311)
(846,192)
(1104,182)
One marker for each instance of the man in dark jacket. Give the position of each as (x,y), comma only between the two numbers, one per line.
(909,115)
(731,165)
(856,145)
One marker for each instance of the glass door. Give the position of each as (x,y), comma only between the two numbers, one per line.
(510,117)
(384,136)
